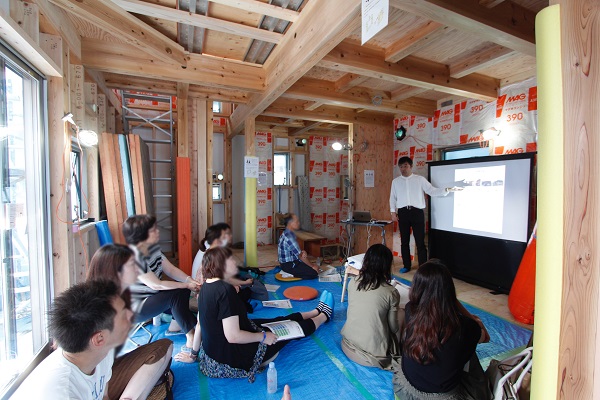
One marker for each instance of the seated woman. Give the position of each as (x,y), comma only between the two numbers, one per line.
(371,333)
(135,373)
(151,295)
(215,236)
(291,259)
(439,337)
(234,346)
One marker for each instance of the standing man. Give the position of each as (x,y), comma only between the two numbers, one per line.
(87,322)
(407,201)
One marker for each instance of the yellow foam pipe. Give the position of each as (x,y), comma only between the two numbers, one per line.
(250,247)
(550,250)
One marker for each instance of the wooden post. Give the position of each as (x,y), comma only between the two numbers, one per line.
(209,163)
(183,142)
(250,245)
(59,163)
(568,283)
(201,118)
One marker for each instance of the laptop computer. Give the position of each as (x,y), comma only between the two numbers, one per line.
(361,216)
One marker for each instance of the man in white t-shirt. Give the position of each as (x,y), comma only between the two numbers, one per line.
(87,322)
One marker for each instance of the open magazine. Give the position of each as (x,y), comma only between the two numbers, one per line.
(285,330)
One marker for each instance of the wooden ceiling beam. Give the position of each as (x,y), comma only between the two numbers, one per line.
(289,108)
(480,59)
(54,20)
(508,24)
(306,128)
(490,3)
(412,71)
(112,98)
(415,40)
(111,18)
(348,81)
(314,105)
(201,70)
(358,97)
(406,92)
(198,20)
(170,88)
(259,7)
(304,44)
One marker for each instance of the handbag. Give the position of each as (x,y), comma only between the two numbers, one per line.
(507,377)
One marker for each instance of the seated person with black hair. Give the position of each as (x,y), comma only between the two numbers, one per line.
(291,259)
(234,346)
(87,322)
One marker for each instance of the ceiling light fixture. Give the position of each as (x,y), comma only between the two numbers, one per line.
(400,133)
(337,146)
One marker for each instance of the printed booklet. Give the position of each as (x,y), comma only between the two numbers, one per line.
(285,330)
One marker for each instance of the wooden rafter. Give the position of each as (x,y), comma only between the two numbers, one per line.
(170,88)
(202,21)
(307,41)
(480,59)
(350,57)
(415,40)
(201,70)
(508,24)
(306,128)
(348,81)
(314,105)
(113,19)
(259,7)
(358,97)
(289,108)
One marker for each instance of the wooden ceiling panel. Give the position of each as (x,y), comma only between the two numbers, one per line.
(534,5)
(325,74)
(231,14)
(225,45)
(167,28)
(379,84)
(514,65)
(449,46)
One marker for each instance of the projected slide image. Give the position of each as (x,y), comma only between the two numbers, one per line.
(480,205)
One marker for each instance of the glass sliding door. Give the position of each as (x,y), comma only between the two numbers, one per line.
(24,219)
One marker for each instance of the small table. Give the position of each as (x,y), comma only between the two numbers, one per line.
(351,225)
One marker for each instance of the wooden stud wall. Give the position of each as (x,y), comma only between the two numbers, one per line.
(378,156)
(200,122)
(184,214)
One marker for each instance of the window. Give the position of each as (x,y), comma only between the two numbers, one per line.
(25,274)
(217,191)
(217,107)
(281,169)
(76,205)
(468,151)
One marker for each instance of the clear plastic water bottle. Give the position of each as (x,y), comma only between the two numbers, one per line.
(271,378)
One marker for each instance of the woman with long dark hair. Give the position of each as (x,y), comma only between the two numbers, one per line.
(439,338)
(135,373)
(371,333)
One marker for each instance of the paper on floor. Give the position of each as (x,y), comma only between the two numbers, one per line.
(277,303)
(271,288)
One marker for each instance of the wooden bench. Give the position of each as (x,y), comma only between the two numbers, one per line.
(311,242)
